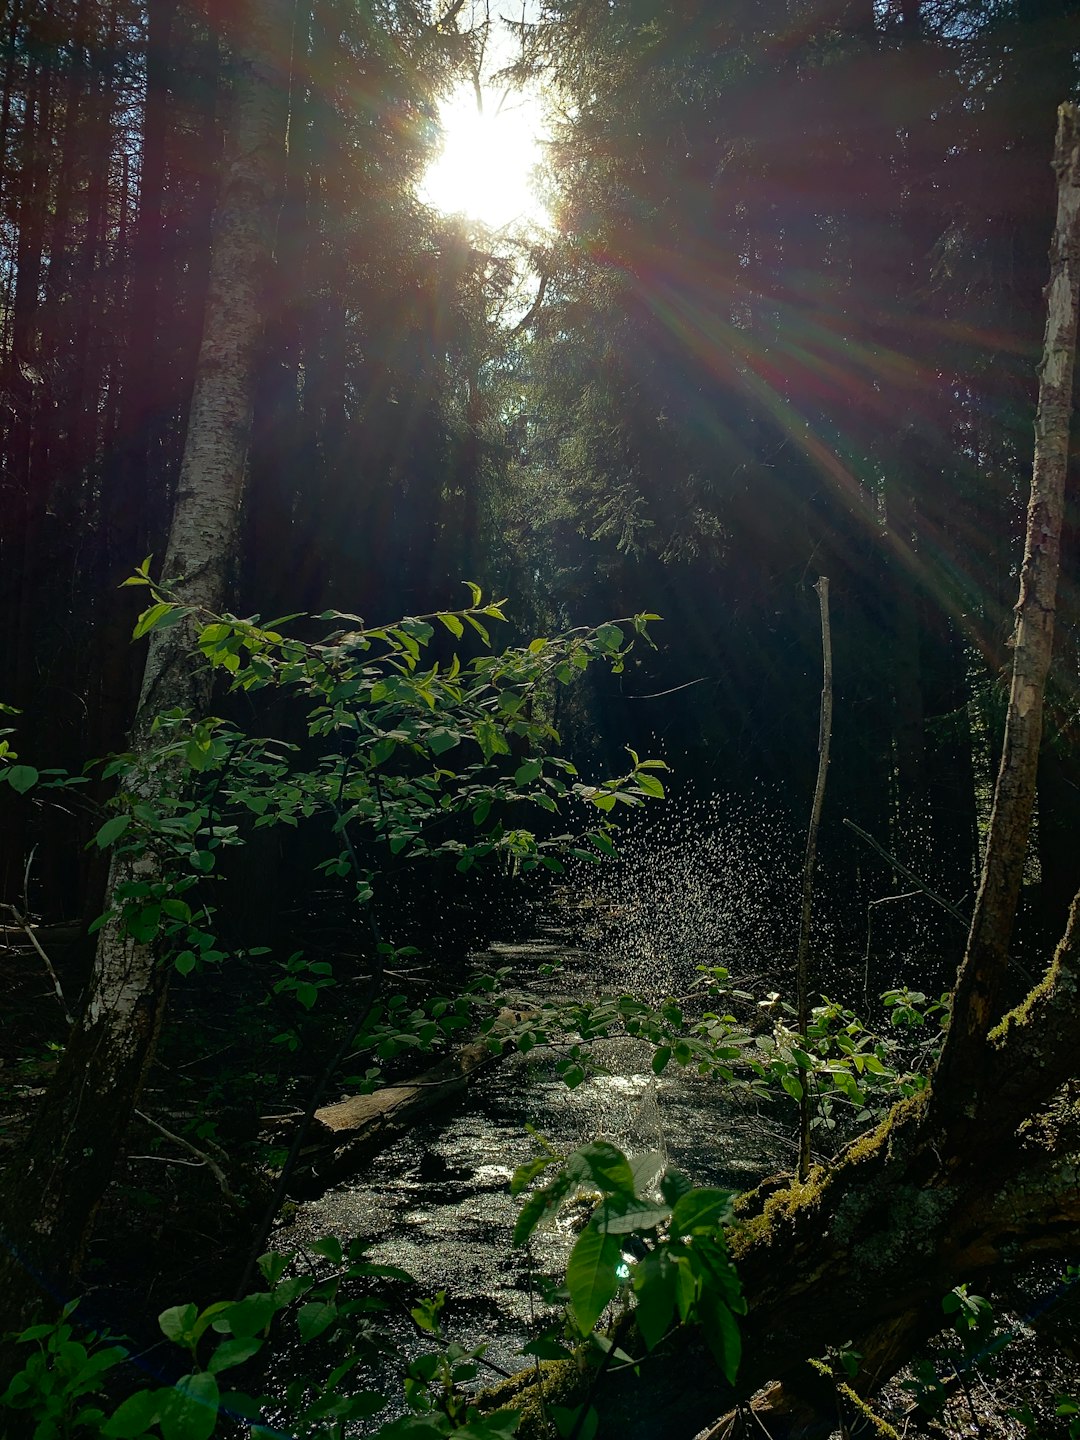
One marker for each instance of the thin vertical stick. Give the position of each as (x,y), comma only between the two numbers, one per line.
(803,978)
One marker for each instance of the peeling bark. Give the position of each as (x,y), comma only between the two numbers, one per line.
(976,1004)
(68,1159)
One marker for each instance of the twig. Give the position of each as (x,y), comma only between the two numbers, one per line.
(824,740)
(23,922)
(884,900)
(208,1160)
(171,1160)
(908,874)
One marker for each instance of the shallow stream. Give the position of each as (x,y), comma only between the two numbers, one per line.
(438,1204)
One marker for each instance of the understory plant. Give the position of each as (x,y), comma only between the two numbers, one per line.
(652,1238)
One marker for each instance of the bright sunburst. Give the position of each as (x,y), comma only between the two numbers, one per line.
(485,168)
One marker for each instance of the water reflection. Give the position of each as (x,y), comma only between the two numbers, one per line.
(438,1203)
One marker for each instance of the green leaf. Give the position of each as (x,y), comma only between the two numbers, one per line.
(793,1085)
(540,1204)
(135,1416)
(414,1427)
(623,1215)
(527,773)
(329,1247)
(721,1333)
(566,1419)
(233,1352)
(157,616)
(237,1405)
(315,1317)
(22,778)
(142,924)
(481,630)
(454,625)
(649,785)
(525,1174)
(592,1276)
(700,1212)
(686,1286)
(178,1323)
(442,739)
(273,1266)
(546,1347)
(251,1315)
(191,1411)
(655,1279)
(111,830)
(605,1165)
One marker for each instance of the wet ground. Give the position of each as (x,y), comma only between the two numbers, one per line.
(438,1203)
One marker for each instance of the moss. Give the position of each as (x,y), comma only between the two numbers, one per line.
(881,1426)
(798,1197)
(854,1399)
(880,1139)
(562,1382)
(1021,1016)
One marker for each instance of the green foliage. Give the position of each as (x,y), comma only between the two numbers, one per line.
(412,755)
(971,1348)
(342,1311)
(855,1072)
(58,1385)
(666,1248)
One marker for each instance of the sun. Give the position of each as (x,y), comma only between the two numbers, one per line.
(485,168)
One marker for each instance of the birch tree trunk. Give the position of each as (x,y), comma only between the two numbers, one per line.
(60,1175)
(966,1178)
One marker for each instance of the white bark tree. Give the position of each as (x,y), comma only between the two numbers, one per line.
(57,1180)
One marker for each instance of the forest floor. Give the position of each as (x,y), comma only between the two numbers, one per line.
(1004,1381)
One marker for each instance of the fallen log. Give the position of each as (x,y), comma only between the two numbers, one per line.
(348,1132)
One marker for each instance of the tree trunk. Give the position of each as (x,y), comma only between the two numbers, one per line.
(70,1154)
(947,1188)
(976,1004)
(971,1176)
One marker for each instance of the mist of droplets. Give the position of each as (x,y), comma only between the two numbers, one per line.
(711,882)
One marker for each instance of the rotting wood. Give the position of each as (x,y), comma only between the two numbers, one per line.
(347,1133)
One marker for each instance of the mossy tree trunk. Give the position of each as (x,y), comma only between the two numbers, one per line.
(971,1177)
(982,1171)
(57,1180)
